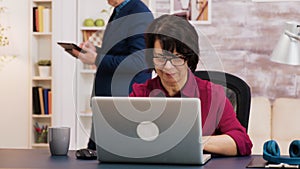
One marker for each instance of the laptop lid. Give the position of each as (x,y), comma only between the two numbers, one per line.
(148,130)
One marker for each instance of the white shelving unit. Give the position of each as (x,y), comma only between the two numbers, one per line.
(40,48)
(86,73)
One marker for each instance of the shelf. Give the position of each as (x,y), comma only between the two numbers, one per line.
(37,1)
(88,71)
(41,78)
(86,114)
(40,86)
(40,145)
(42,33)
(92,28)
(41,116)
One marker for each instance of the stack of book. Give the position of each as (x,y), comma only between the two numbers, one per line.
(41,19)
(42,100)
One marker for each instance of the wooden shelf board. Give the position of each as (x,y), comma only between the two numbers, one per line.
(40,145)
(42,33)
(41,78)
(85,114)
(42,1)
(92,28)
(41,116)
(92,71)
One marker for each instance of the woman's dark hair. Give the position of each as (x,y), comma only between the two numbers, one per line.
(174,33)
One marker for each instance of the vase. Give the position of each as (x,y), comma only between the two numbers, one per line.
(44,71)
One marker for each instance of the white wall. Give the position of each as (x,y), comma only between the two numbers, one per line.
(64,67)
(14,77)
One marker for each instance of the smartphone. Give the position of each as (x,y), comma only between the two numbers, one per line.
(69,46)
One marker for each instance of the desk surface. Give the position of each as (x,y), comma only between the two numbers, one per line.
(41,159)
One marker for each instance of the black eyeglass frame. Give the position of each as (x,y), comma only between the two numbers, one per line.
(171,58)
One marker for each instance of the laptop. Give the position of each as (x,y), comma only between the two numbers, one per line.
(148,130)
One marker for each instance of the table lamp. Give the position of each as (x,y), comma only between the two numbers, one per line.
(287,50)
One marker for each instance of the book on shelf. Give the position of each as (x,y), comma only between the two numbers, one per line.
(47,19)
(34,22)
(41,100)
(41,19)
(46,100)
(50,102)
(36,107)
(36,16)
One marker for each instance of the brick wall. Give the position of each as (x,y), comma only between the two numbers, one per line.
(240,40)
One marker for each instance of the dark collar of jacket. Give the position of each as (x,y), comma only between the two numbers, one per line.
(133,6)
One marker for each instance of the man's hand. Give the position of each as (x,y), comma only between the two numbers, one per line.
(89,57)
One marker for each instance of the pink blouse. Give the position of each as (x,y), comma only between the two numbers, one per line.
(218,116)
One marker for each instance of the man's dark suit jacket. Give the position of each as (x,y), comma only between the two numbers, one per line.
(121,59)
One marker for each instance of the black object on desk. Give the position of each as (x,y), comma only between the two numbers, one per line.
(86,154)
(257,163)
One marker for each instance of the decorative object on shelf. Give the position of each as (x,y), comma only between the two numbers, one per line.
(41,133)
(287,50)
(88,22)
(99,22)
(94,28)
(44,67)
(197,11)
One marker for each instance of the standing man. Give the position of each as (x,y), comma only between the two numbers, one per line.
(120,61)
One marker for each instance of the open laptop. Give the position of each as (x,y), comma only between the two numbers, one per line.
(148,130)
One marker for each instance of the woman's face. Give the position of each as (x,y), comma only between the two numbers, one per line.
(169,74)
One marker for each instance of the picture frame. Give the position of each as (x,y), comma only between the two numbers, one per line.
(196,11)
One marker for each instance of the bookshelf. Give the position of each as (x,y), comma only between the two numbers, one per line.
(85,73)
(40,89)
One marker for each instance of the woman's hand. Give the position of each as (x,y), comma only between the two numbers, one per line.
(220,144)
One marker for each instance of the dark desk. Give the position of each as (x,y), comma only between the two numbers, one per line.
(41,159)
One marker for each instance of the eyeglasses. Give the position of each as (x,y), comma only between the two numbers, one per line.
(161,60)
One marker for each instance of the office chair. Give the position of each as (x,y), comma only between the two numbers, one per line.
(237,91)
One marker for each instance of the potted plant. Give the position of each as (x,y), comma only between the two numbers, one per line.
(44,67)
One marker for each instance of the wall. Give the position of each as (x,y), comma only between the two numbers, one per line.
(64,70)
(244,34)
(14,78)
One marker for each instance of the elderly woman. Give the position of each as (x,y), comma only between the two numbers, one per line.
(172,50)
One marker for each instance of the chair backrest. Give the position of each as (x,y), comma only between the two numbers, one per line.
(237,91)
